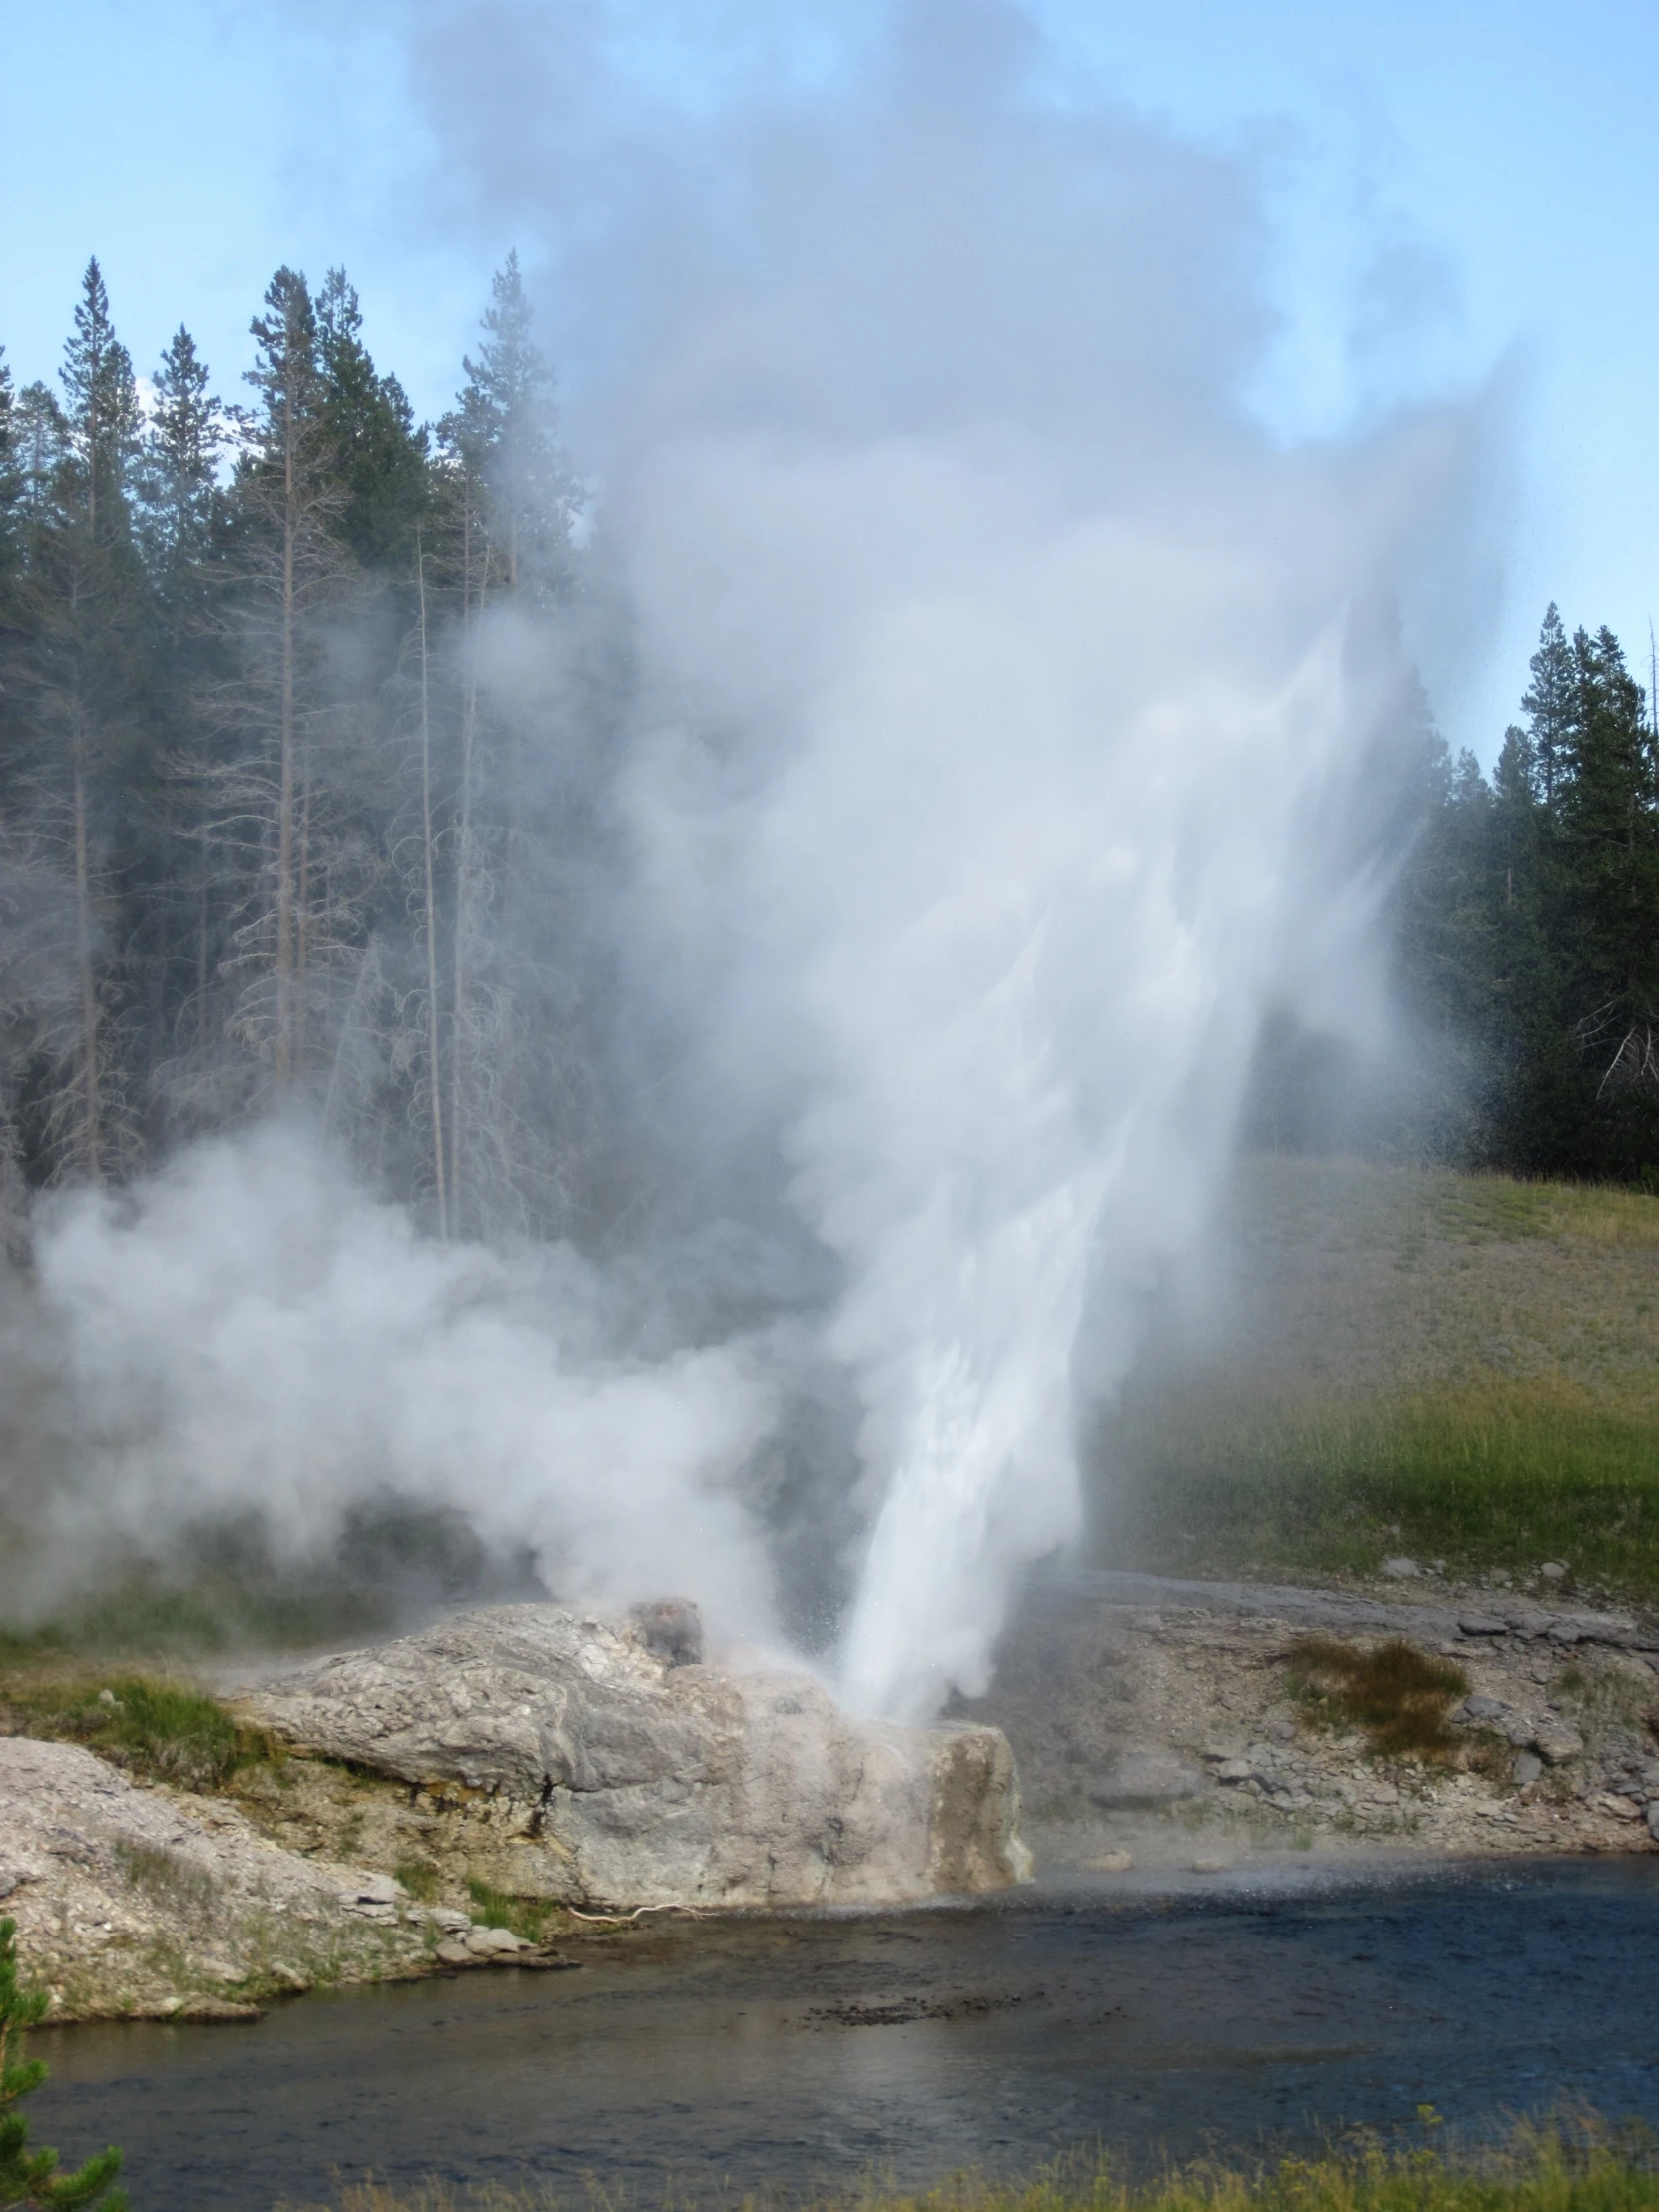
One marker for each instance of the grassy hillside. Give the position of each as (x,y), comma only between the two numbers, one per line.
(1405,1360)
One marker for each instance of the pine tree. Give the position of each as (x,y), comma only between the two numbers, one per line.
(295,577)
(507,428)
(1609,818)
(102,414)
(11,553)
(80,680)
(39,438)
(176,923)
(503,496)
(1536,1107)
(11,483)
(179,470)
(380,456)
(31,2178)
(1552,704)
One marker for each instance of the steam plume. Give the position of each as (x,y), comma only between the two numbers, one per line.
(998,701)
(1019,694)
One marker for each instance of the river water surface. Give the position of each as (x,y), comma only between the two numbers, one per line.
(722,2057)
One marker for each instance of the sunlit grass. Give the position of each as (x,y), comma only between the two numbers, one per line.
(196,1617)
(157,1729)
(1548,2170)
(1450,1367)
(1494,1474)
(533,1919)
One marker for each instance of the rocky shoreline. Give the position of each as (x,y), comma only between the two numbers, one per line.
(1157,1721)
(561,1770)
(573,1774)
(150,1902)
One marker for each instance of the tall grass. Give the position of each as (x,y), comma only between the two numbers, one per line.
(1548,2170)
(156,1728)
(1493,1473)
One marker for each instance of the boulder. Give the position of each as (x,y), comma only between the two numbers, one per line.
(652,1778)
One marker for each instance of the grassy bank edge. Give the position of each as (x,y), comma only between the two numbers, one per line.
(1577,2165)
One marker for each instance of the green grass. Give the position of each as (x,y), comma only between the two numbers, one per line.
(1550,2170)
(1453,1367)
(532,1918)
(196,1617)
(155,1728)
(420,1877)
(167,1877)
(1493,1474)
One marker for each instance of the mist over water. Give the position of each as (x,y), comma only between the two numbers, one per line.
(997,703)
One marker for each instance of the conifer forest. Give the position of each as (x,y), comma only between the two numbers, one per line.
(304,708)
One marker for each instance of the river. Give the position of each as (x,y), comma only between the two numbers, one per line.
(721,2056)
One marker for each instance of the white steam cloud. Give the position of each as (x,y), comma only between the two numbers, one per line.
(1002,695)
(1014,697)
(248,1332)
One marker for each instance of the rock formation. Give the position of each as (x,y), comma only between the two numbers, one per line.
(151,1902)
(649,1778)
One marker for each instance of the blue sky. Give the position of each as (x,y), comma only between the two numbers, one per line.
(1472,189)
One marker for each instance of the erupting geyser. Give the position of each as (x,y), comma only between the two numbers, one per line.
(1007,694)
(995,693)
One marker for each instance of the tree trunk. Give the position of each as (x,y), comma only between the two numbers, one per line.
(302,929)
(463,911)
(434,1072)
(92,1135)
(284,1068)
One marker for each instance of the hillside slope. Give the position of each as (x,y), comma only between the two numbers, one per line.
(1404,1362)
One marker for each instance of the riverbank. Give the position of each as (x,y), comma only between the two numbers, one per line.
(1165,1731)
(1574,2168)
(1164,1723)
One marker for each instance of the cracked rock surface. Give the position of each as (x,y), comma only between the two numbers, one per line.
(1153,1719)
(627,1773)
